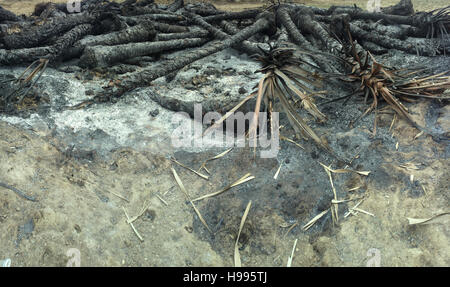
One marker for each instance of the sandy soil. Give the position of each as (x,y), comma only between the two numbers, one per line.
(77,208)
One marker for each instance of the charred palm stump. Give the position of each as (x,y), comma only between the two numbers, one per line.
(145,76)
(102,56)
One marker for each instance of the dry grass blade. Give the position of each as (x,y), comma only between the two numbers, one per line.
(131,224)
(365,173)
(439,218)
(297,122)
(183,189)
(278,171)
(190,169)
(262,87)
(141,212)
(237,256)
(306,101)
(228,114)
(118,195)
(289,263)
(314,220)
(354,188)
(363,211)
(162,200)
(242,180)
(291,141)
(334,207)
(203,166)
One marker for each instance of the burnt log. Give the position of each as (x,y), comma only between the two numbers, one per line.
(6,15)
(38,35)
(101,56)
(139,33)
(246,14)
(186,35)
(145,76)
(403,8)
(27,55)
(177,4)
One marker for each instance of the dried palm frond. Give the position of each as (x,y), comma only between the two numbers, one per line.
(16,90)
(389,84)
(438,22)
(286,81)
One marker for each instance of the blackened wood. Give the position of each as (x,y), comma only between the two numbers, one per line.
(139,33)
(246,14)
(28,55)
(285,19)
(391,43)
(37,35)
(403,8)
(245,46)
(147,75)
(307,24)
(177,4)
(102,56)
(186,35)
(161,27)
(6,15)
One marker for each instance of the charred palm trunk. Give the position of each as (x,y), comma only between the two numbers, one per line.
(147,75)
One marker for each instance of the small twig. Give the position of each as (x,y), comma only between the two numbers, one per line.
(163,201)
(144,208)
(190,169)
(18,192)
(132,226)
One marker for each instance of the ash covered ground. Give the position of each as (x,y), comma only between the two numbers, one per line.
(77,162)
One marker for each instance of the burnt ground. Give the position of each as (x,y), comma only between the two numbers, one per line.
(80,164)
